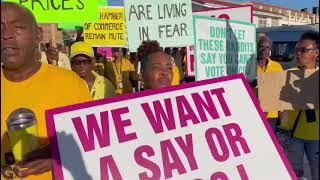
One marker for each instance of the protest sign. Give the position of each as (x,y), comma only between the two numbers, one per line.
(289,90)
(241,13)
(223,47)
(73,26)
(109,31)
(212,129)
(105,52)
(62,11)
(169,22)
(238,13)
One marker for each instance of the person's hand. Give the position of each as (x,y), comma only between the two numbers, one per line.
(52,55)
(34,167)
(7,172)
(36,162)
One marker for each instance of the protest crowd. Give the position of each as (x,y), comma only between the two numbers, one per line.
(37,76)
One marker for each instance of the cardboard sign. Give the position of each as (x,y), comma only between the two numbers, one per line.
(237,13)
(289,90)
(223,47)
(212,129)
(109,31)
(62,11)
(169,22)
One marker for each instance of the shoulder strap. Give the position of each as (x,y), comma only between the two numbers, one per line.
(295,124)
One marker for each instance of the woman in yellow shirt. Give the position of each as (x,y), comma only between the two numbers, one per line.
(148,47)
(82,62)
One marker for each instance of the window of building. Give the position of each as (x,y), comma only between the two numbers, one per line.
(274,22)
(283,51)
(262,23)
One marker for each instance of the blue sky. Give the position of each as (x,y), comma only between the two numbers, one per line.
(292,4)
(115,2)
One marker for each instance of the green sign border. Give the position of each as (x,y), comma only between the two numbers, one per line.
(195,18)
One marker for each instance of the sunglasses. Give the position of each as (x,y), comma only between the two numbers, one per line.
(304,50)
(78,63)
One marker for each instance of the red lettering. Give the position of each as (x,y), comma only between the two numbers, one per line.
(109,163)
(235,137)
(160,115)
(143,162)
(168,150)
(87,139)
(213,145)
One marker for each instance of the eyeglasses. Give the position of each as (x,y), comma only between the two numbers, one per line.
(78,63)
(304,50)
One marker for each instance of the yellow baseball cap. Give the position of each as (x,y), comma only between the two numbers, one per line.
(81,48)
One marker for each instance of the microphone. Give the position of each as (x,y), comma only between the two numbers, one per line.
(22,132)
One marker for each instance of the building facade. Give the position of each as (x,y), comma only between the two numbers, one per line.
(264,15)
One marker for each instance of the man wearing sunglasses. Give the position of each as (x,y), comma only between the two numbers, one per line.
(82,62)
(304,124)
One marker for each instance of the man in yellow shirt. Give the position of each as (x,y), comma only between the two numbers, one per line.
(27,83)
(82,62)
(121,72)
(303,125)
(266,65)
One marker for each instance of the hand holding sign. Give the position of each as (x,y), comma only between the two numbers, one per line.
(37,162)
(190,131)
(52,55)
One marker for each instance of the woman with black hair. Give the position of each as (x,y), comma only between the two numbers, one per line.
(156,66)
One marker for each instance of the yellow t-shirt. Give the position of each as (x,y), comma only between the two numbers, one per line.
(121,72)
(305,130)
(102,87)
(49,88)
(272,66)
(176,75)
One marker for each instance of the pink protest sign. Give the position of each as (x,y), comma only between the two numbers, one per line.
(103,51)
(211,129)
(241,13)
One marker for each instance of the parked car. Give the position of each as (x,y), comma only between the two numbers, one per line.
(284,40)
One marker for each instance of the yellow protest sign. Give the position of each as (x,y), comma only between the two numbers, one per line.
(109,31)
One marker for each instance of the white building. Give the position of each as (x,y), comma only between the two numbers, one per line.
(264,15)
